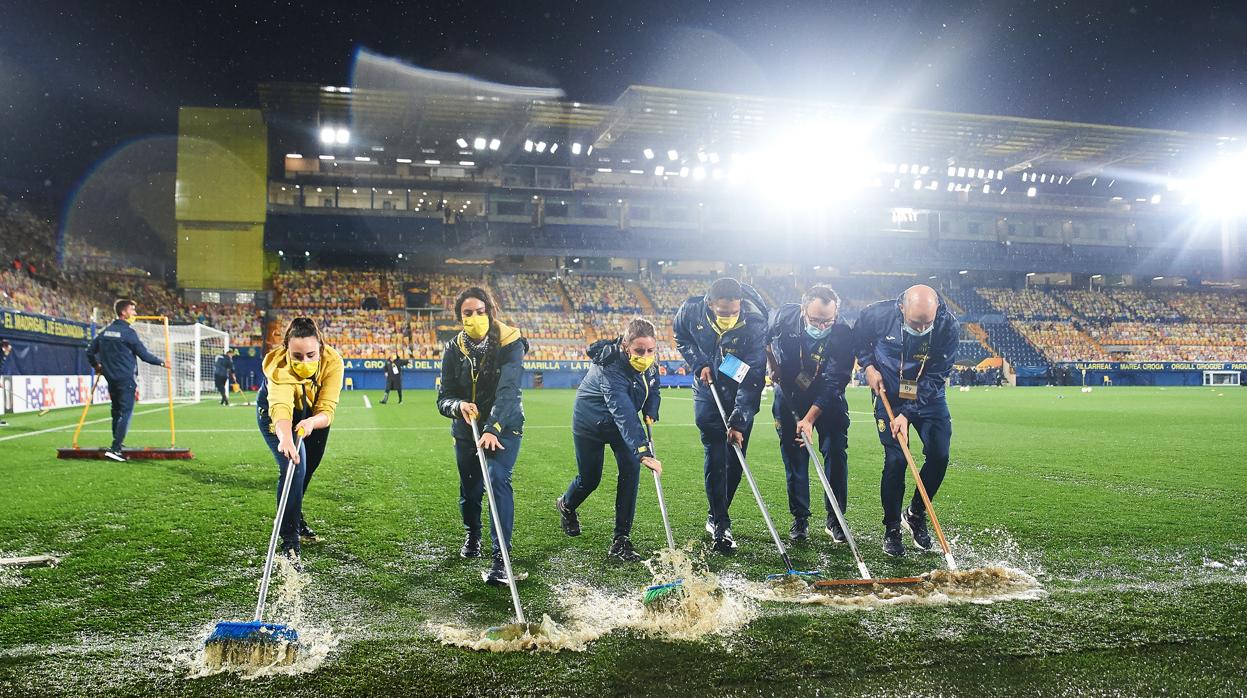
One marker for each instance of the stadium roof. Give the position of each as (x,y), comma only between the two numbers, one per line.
(433,118)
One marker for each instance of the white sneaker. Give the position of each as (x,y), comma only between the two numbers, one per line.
(115,455)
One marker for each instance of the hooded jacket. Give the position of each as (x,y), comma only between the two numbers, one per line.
(830,363)
(701,345)
(288,393)
(611,395)
(493,384)
(879,341)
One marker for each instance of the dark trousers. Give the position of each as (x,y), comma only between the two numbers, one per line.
(722,466)
(221,388)
(392,386)
(935,430)
(311,451)
(833,444)
(590,459)
(121,394)
(500,464)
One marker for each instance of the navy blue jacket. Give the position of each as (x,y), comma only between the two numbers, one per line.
(494,385)
(113,350)
(223,366)
(879,340)
(830,363)
(701,345)
(611,395)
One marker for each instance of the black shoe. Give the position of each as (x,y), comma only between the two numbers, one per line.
(724,544)
(916,524)
(567,518)
(800,529)
(115,454)
(623,551)
(496,575)
(305,531)
(381,403)
(833,529)
(471,545)
(291,552)
(892,541)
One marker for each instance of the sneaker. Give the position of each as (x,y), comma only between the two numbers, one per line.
(567,518)
(724,544)
(622,550)
(471,545)
(496,575)
(916,524)
(892,541)
(710,526)
(305,531)
(800,529)
(115,454)
(833,529)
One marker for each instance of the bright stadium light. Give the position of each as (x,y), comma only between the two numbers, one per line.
(362,158)
(541,146)
(326,157)
(1031,192)
(528,146)
(403,161)
(648,153)
(478,143)
(658,171)
(1221,190)
(294,156)
(326,135)
(576,148)
(699,172)
(432,162)
(1155,198)
(461,143)
(673,155)
(495,144)
(342,136)
(553,148)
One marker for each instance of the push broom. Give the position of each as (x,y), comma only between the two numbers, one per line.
(255,642)
(521,626)
(658,592)
(866,579)
(922,489)
(757,495)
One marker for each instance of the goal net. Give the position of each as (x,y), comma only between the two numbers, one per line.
(190,351)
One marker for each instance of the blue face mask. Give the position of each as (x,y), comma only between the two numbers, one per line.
(817,333)
(915,333)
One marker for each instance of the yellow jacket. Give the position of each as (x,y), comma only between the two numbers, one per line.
(287,391)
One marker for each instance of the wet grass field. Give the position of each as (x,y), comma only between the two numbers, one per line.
(1125,504)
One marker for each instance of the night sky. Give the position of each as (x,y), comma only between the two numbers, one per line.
(77,82)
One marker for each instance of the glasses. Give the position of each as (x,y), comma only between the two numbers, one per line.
(820,323)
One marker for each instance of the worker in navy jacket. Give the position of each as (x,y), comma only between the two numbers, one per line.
(907,347)
(112,353)
(811,355)
(722,337)
(619,391)
(482,369)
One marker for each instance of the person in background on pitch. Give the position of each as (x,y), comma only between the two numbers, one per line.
(112,353)
(482,367)
(223,373)
(810,351)
(394,377)
(622,381)
(5,349)
(726,327)
(302,385)
(907,348)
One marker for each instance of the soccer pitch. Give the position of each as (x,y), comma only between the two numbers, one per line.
(1126,504)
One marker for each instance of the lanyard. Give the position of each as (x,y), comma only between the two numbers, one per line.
(900,373)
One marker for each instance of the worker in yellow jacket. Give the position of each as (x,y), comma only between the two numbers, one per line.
(302,384)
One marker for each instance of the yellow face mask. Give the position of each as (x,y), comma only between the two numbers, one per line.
(304,369)
(641,363)
(726,323)
(477,326)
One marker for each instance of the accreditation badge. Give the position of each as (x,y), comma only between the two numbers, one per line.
(804,381)
(909,390)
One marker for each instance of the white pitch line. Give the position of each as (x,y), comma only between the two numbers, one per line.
(90,421)
(367,403)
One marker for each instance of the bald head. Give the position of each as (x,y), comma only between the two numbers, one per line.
(918,307)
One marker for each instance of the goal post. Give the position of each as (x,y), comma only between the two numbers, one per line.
(189,352)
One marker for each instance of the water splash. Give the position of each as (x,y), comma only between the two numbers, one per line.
(983,585)
(315,641)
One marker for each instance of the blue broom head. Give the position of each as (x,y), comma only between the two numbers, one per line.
(252,631)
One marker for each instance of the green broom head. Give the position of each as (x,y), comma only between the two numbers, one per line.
(251,644)
(658,592)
